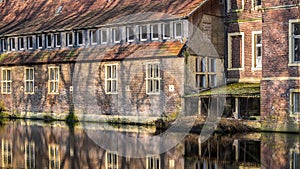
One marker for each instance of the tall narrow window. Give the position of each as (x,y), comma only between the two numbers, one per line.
(6,81)
(29,80)
(296,102)
(29,42)
(143,33)
(49,41)
(295,158)
(111,160)
(152,78)
(236,51)
(3,45)
(69,39)
(93,37)
(7,156)
(130,34)
(80,38)
(39,41)
(57,39)
(29,155)
(178,29)
(12,44)
(153,162)
(295,41)
(166,31)
(54,156)
(154,32)
(200,72)
(212,77)
(111,78)
(104,36)
(21,43)
(257,49)
(116,35)
(53,82)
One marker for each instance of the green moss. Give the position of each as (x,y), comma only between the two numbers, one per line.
(3,56)
(2,106)
(72,118)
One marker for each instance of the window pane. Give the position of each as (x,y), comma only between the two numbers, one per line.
(104,36)
(58,39)
(143,32)
(154,31)
(178,29)
(130,34)
(40,42)
(70,39)
(296,102)
(80,38)
(94,36)
(297,49)
(48,40)
(166,29)
(296,28)
(29,42)
(212,65)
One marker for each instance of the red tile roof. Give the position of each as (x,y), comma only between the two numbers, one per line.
(25,16)
(97,53)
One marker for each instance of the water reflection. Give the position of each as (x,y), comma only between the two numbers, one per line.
(36,145)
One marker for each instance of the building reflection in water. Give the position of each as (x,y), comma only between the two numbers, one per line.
(30,146)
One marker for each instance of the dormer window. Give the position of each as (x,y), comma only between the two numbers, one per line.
(178,30)
(69,39)
(104,36)
(29,42)
(57,39)
(166,31)
(3,45)
(130,34)
(48,41)
(116,35)
(93,37)
(80,38)
(143,33)
(39,41)
(12,44)
(154,32)
(21,43)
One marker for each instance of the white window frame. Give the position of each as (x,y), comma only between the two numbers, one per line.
(77,38)
(175,30)
(164,32)
(6,81)
(29,80)
(68,35)
(230,35)
(128,34)
(114,33)
(291,43)
(111,160)
(208,72)
(20,40)
(255,6)
(104,30)
(111,80)
(7,162)
(254,50)
(152,32)
(56,37)
(235,10)
(93,33)
(12,44)
(54,155)
(154,79)
(29,40)
(54,81)
(48,40)
(292,108)
(39,39)
(3,44)
(150,165)
(29,155)
(141,33)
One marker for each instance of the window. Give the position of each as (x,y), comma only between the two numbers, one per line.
(54,156)
(256,4)
(235,6)
(6,83)
(153,78)
(57,39)
(236,51)
(130,34)
(166,31)
(205,70)
(104,36)
(53,82)
(178,30)
(256,49)
(111,78)
(29,155)
(295,157)
(29,42)
(154,32)
(39,41)
(153,162)
(295,101)
(49,41)
(3,45)
(7,155)
(116,35)
(29,80)
(21,43)
(111,160)
(12,43)
(69,39)
(143,33)
(93,37)
(294,42)
(80,38)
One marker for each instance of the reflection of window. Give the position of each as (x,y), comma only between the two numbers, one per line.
(205,70)
(54,156)
(294,41)
(6,81)
(111,160)
(178,29)
(257,49)
(6,153)
(69,39)
(166,31)
(116,35)
(153,162)
(39,41)
(29,155)
(29,42)
(295,101)
(154,32)
(153,78)
(295,158)
(29,80)
(53,82)
(104,36)
(130,34)
(111,78)
(235,51)
(3,45)
(21,43)
(93,37)
(143,33)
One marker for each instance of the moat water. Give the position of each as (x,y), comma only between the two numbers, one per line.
(33,144)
